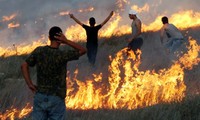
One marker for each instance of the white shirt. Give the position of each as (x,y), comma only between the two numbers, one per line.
(171,31)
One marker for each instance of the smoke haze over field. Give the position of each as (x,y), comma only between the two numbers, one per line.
(23,22)
(34,18)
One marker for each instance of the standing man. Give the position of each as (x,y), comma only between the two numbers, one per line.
(92,36)
(50,62)
(135,40)
(175,38)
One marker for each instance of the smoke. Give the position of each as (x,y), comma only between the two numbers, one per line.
(36,17)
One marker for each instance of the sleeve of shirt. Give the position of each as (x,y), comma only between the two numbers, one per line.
(71,55)
(99,26)
(31,60)
(84,26)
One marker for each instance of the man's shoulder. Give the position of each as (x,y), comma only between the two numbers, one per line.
(138,21)
(40,48)
(85,26)
(98,26)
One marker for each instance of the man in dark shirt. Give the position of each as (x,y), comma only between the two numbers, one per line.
(92,36)
(50,62)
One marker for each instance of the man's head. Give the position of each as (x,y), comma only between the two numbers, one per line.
(54,32)
(132,14)
(164,20)
(92,21)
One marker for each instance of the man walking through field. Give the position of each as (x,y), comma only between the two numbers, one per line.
(135,40)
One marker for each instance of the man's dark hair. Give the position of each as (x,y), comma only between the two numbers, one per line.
(92,21)
(164,20)
(54,32)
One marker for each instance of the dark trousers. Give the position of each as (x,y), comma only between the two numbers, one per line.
(91,52)
(135,44)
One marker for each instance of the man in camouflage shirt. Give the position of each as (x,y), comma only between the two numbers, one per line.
(50,63)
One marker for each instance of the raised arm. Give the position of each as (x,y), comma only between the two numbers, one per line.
(64,40)
(106,20)
(75,19)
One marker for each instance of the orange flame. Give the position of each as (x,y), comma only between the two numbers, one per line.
(183,20)
(13,25)
(14,113)
(22,49)
(80,11)
(76,32)
(130,89)
(8,18)
(133,88)
(145,8)
(191,58)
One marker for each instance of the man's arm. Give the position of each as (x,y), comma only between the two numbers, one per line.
(161,34)
(26,75)
(106,20)
(64,40)
(75,19)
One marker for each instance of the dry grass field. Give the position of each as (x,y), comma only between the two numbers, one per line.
(15,94)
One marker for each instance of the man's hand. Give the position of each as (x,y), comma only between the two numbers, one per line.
(33,88)
(111,13)
(61,37)
(71,15)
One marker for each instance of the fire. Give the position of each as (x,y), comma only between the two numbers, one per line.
(190,59)
(22,49)
(80,11)
(14,113)
(145,8)
(112,28)
(186,19)
(183,20)
(129,89)
(86,10)
(13,25)
(76,32)
(133,88)
(8,18)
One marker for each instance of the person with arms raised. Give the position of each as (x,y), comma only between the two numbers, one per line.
(92,36)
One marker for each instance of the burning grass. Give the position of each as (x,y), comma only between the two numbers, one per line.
(119,87)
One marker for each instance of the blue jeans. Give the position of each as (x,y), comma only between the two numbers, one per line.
(173,44)
(48,107)
(92,53)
